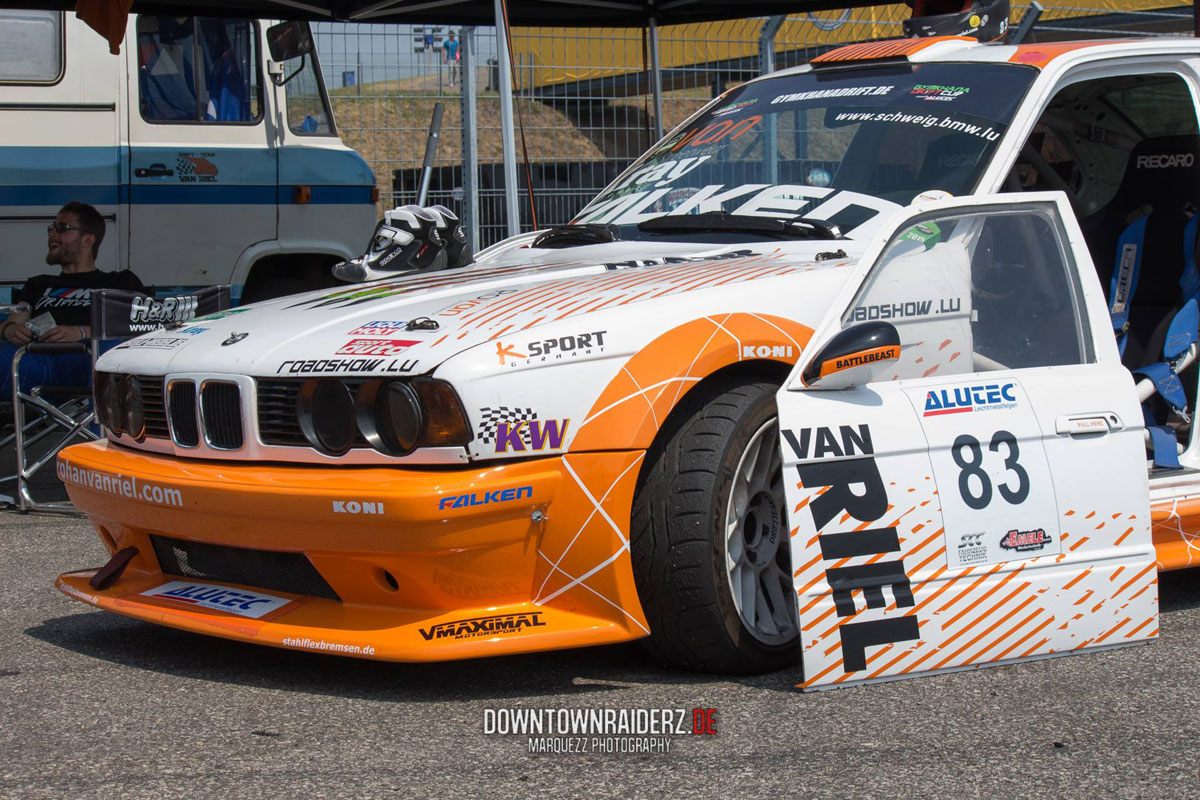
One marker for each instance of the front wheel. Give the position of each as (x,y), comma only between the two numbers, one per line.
(709,535)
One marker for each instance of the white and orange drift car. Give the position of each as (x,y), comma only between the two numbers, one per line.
(882,364)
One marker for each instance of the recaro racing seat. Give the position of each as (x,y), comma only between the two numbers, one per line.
(1144,227)
(1144,245)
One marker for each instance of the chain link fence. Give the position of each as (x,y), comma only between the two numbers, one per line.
(583,96)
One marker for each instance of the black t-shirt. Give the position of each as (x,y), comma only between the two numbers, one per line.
(68,298)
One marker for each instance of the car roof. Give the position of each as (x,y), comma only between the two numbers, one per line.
(963,49)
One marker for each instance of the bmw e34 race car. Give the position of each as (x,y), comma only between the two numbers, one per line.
(883,363)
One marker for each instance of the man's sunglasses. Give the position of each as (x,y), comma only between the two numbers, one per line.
(62,227)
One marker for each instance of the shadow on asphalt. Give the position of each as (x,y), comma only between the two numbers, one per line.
(590,671)
(583,671)
(1179,590)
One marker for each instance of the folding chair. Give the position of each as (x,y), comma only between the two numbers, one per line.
(69,411)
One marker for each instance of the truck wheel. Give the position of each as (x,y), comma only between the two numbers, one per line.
(280,276)
(709,536)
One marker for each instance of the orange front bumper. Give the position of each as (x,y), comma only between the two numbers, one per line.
(427,565)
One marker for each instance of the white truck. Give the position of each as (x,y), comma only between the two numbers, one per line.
(211,161)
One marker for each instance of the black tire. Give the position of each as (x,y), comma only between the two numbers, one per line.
(678,541)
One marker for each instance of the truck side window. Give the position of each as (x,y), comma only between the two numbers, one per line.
(307,104)
(196,69)
(31,46)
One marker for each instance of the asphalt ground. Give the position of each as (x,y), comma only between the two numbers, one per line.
(97,705)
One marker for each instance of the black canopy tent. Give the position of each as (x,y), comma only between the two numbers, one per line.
(573,13)
(109,18)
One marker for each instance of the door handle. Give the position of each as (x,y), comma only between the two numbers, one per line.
(1087,424)
(154,171)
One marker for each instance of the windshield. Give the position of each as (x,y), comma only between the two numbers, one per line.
(842,146)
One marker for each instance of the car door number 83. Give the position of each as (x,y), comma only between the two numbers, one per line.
(974,484)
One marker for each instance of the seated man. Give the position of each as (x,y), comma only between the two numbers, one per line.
(59,307)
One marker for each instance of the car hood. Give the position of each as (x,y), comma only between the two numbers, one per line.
(411,324)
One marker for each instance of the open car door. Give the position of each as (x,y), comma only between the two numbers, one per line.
(963,453)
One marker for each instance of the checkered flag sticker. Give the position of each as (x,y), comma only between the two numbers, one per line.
(491,417)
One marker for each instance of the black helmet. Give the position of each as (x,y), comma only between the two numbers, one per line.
(985,20)
(395,249)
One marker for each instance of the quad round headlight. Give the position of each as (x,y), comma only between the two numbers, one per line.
(325,409)
(390,416)
(108,400)
(133,412)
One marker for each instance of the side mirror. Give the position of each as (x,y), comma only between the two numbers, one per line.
(289,40)
(854,356)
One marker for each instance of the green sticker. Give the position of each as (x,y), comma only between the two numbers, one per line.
(220,315)
(927,233)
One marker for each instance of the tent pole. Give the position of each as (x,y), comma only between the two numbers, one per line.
(656,79)
(508,143)
(766,63)
(470,137)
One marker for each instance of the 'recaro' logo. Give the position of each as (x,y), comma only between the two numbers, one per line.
(963,399)
(1165,160)
(499,625)
(1025,541)
(169,309)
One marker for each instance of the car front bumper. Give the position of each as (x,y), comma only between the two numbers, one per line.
(417,565)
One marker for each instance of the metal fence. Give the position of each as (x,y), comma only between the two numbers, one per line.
(583,96)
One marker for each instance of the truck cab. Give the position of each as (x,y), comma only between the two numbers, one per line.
(210,162)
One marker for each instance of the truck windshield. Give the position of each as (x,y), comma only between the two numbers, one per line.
(308,109)
(842,146)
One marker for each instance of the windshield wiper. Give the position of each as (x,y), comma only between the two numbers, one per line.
(565,236)
(724,222)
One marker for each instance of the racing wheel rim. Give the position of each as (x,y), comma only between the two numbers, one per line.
(757,544)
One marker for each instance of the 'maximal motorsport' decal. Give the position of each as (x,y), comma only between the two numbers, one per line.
(499,625)
(855,495)
(243,602)
(484,498)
